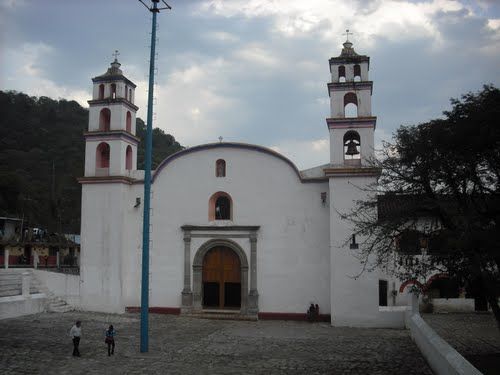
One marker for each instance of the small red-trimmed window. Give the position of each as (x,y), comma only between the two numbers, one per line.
(220,168)
(101,91)
(220,207)
(113,91)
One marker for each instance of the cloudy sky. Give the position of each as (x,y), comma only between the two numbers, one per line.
(255,71)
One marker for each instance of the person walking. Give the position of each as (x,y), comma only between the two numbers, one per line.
(110,340)
(75,333)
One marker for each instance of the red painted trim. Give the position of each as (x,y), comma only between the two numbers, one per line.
(409,282)
(155,310)
(291,316)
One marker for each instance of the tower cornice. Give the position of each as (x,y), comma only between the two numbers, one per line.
(113,78)
(351,122)
(348,171)
(111,135)
(111,101)
(350,85)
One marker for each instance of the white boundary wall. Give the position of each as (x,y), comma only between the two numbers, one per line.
(441,357)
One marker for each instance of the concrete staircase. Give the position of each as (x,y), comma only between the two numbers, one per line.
(54,303)
(11,282)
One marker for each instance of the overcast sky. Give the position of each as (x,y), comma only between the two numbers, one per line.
(255,71)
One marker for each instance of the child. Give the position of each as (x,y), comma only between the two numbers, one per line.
(110,340)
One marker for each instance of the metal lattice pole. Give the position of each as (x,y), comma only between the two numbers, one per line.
(154,9)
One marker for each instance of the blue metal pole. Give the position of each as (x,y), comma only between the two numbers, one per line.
(147,192)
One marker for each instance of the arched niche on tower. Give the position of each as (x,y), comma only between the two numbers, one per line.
(128,122)
(102,159)
(105,120)
(128,158)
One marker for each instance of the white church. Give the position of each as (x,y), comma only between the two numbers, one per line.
(236,228)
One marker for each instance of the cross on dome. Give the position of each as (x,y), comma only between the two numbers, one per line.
(116,54)
(347,32)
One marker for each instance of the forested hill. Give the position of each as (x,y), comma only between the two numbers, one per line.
(42,155)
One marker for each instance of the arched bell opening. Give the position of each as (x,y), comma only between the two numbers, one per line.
(357,73)
(350,105)
(352,148)
(342,73)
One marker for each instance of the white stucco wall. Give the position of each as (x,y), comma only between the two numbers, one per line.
(354,293)
(292,244)
(103,247)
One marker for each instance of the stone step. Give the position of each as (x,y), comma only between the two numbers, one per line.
(221,316)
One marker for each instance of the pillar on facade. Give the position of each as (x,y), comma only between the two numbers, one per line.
(253,295)
(187,294)
(6,258)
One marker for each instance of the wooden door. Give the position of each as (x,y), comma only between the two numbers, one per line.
(221,278)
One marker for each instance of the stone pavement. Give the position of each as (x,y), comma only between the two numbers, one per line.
(39,344)
(475,336)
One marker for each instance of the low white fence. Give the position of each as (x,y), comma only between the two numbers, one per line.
(441,357)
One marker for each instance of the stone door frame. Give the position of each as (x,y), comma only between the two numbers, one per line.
(219,236)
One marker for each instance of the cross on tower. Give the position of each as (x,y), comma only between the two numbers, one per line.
(116,55)
(347,34)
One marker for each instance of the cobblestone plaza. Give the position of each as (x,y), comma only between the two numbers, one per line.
(39,344)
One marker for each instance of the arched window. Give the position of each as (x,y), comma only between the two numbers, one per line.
(352,145)
(128,126)
(126,92)
(130,95)
(220,168)
(350,105)
(128,158)
(357,73)
(101,91)
(102,155)
(220,207)
(113,91)
(341,73)
(105,120)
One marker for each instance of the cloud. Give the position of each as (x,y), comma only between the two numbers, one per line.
(306,153)
(25,70)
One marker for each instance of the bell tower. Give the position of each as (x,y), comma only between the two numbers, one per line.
(351,124)
(110,142)
(353,293)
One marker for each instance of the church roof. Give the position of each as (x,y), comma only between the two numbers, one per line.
(114,73)
(238,145)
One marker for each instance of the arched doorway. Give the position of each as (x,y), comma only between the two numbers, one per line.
(221,278)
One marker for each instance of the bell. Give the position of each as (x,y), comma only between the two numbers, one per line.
(352,149)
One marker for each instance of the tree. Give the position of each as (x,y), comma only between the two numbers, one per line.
(439,192)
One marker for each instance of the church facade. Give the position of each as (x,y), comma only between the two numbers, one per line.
(235,227)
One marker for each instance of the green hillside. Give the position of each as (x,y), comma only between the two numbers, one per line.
(42,155)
